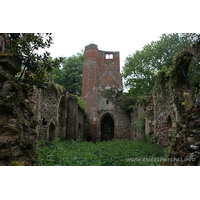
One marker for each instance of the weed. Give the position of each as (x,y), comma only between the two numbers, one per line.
(107,153)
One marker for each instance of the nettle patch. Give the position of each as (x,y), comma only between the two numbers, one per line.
(106,153)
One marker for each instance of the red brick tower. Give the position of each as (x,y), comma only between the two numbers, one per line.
(101,71)
(89,86)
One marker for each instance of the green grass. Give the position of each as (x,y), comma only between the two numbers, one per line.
(109,153)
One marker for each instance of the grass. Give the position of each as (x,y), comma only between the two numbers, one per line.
(106,153)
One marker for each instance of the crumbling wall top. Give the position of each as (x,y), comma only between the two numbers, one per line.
(91,46)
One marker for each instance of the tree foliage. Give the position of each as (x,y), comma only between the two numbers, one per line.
(35,67)
(70,76)
(141,68)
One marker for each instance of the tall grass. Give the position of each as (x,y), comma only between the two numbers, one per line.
(109,153)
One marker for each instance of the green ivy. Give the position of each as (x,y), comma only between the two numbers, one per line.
(81,103)
(162,79)
(177,102)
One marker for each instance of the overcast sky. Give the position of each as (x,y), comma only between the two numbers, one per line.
(114,25)
(124,26)
(116,42)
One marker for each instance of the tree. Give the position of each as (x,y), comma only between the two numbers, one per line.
(35,67)
(70,76)
(141,68)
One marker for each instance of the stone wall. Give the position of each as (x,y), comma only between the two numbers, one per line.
(3,42)
(109,105)
(185,150)
(165,109)
(72,121)
(50,109)
(57,114)
(164,117)
(17,123)
(173,118)
(138,122)
(25,118)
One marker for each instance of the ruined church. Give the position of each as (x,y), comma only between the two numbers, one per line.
(54,113)
(102,90)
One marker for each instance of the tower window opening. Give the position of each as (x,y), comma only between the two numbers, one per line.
(109,56)
(107,102)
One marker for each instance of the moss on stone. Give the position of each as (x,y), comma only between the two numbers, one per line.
(15,163)
(14,86)
(59,88)
(6,55)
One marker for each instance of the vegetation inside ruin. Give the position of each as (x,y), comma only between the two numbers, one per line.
(81,103)
(106,153)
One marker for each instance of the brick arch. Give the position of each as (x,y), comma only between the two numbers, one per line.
(107,119)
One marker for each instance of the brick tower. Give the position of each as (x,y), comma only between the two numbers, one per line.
(102,89)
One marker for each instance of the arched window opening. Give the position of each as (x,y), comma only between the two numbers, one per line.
(52,132)
(44,121)
(169,121)
(107,56)
(107,128)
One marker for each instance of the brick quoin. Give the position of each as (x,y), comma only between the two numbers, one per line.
(101,70)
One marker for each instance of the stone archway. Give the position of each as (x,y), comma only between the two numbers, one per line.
(107,128)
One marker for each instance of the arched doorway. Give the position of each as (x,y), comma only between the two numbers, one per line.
(107,128)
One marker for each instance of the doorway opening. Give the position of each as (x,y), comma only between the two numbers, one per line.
(107,128)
